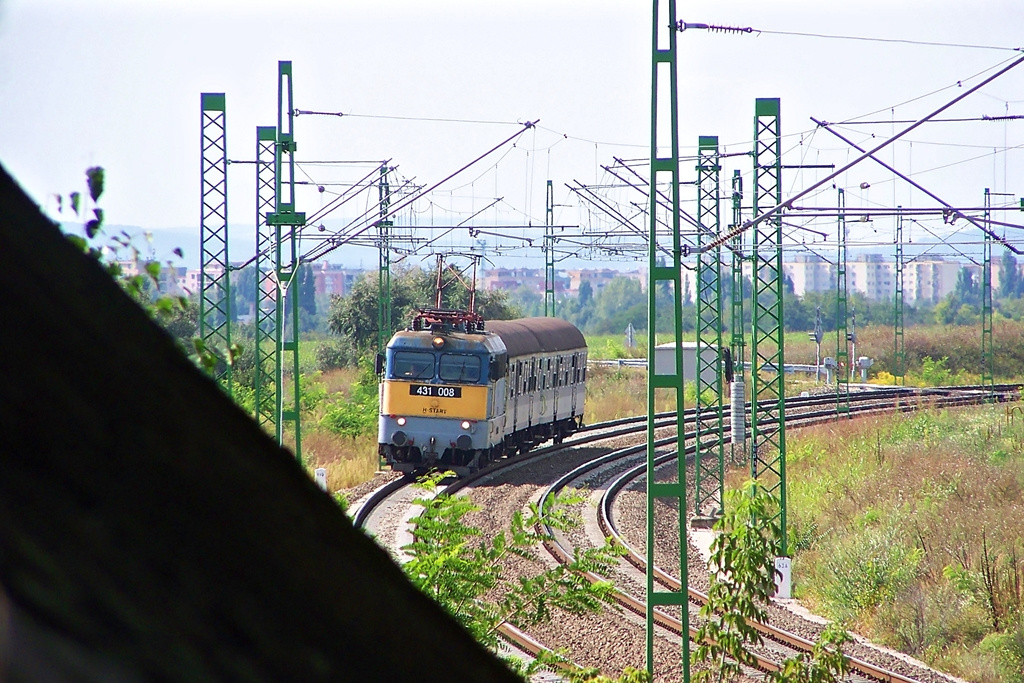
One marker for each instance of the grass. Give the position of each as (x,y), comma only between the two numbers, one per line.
(348,460)
(611,393)
(614,392)
(909,528)
(960,344)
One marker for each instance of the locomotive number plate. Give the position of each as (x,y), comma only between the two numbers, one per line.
(433,390)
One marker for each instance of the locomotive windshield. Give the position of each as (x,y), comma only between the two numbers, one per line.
(412,365)
(460,368)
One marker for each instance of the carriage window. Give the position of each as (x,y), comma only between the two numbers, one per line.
(412,365)
(459,368)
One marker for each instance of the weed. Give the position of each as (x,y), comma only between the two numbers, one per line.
(921,547)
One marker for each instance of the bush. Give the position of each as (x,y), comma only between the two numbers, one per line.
(313,392)
(884,378)
(1007,651)
(331,355)
(357,414)
(869,569)
(934,373)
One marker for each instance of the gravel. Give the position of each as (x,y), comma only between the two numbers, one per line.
(615,638)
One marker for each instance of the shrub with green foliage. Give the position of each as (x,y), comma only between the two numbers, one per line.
(934,373)
(911,528)
(870,569)
(357,415)
(743,556)
(331,355)
(1007,651)
(452,564)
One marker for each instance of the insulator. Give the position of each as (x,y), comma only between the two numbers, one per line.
(737,414)
(730,29)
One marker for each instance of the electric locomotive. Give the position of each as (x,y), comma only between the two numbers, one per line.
(458,393)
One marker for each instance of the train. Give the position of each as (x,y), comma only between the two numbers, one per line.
(458,392)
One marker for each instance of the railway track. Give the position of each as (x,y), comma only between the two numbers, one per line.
(801,411)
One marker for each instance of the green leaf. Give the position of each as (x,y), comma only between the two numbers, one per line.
(458,569)
(94,175)
(153,269)
(91,228)
(75,198)
(164,305)
(99,215)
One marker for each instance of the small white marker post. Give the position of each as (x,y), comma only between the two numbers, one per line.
(321,478)
(783,577)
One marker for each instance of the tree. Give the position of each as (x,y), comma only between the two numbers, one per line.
(967,289)
(743,556)
(453,565)
(621,302)
(528,300)
(182,322)
(307,296)
(354,318)
(586,293)
(244,290)
(1010,281)
(306,283)
(799,315)
(579,310)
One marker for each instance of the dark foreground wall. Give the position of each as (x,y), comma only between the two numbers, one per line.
(150,531)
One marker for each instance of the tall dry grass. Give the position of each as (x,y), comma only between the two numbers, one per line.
(617,392)
(348,461)
(910,527)
(612,393)
(961,344)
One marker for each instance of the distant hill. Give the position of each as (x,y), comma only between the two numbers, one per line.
(161,242)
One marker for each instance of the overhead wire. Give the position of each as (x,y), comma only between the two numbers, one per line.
(563,137)
(902,41)
(427,119)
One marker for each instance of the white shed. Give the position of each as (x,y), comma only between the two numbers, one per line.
(665,361)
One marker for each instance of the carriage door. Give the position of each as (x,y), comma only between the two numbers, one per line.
(574,377)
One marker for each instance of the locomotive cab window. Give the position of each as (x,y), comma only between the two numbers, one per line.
(456,367)
(412,365)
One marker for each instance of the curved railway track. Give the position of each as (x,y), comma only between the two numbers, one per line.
(801,411)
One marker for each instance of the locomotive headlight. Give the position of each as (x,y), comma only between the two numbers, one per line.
(466,424)
(438,342)
(400,421)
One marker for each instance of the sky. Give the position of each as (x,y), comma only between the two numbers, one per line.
(431,86)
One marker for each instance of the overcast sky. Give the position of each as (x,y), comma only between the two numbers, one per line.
(117,83)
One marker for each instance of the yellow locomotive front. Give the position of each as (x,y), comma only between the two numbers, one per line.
(438,394)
